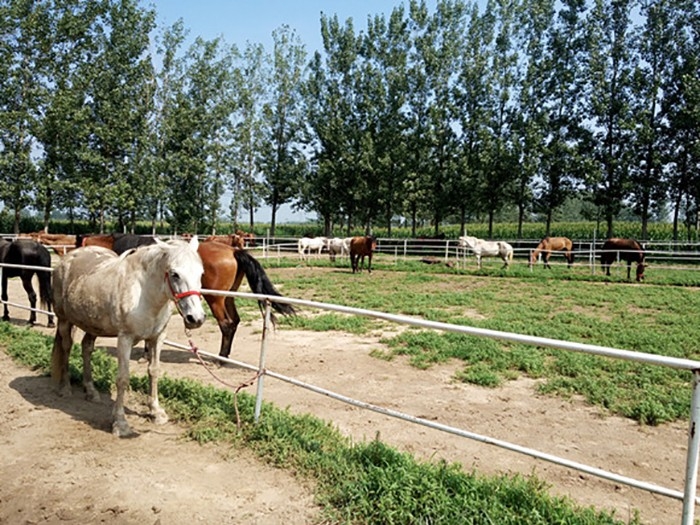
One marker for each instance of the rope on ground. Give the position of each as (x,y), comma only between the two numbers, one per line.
(235,388)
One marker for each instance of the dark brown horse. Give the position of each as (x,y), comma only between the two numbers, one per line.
(549,244)
(117,242)
(30,253)
(224,269)
(359,247)
(624,250)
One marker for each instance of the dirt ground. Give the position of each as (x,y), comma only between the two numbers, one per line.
(60,464)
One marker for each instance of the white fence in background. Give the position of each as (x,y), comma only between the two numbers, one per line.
(688,496)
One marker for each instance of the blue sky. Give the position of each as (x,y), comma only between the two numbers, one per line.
(239,21)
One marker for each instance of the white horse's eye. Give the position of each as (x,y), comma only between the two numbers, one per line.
(175,276)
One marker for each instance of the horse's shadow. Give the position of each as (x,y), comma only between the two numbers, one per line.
(38,391)
(138,354)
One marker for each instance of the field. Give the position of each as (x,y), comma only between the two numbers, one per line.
(533,397)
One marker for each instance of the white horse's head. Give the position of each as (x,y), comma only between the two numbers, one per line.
(467,242)
(183,274)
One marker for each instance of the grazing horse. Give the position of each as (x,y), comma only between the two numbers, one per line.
(29,253)
(338,246)
(359,247)
(128,297)
(550,244)
(626,250)
(224,268)
(309,245)
(483,248)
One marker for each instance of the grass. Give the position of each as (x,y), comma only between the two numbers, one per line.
(561,304)
(356,482)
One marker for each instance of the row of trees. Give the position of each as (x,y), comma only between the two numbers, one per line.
(460,113)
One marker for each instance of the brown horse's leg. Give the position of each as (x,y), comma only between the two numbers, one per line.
(547,255)
(31,294)
(369,262)
(217,305)
(88,345)
(234,320)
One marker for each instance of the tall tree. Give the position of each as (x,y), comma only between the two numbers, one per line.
(252,79)
(609,81)
(652,46)
(24,46)
(283,163)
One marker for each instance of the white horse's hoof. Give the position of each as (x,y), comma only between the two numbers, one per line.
(92,395)
(122,429)
(64,391)
(160,417)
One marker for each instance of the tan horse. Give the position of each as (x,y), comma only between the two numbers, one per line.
(550,244)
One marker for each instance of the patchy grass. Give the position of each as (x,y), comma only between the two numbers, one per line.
(559,304)
(356,482)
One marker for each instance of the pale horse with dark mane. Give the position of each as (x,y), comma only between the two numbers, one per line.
(130,297)
(482,248)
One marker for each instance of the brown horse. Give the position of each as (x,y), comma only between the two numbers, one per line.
(549,244)
(224,268)
(117,242)
(232,240)
(624,250)
(359,247)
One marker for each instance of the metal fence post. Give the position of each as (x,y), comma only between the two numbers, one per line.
(261,363)
(691,467)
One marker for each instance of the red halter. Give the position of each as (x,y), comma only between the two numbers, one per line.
(178,296)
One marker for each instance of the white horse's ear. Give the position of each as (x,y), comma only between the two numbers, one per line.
(194,243)
(158,241)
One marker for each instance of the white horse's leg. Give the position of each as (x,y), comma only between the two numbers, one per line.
(62,345)
(120,427)
(88,345)
(157,413)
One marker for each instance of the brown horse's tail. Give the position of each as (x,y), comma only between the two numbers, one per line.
(260,283)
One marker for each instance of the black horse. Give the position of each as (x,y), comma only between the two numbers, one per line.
(29,253)
(628,250)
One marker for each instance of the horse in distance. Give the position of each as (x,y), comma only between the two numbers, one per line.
(359,248)
(306,246)
(338,246)
(117,242)
(129,297)
(482,248)
(550,244)
(28,253)
(628,250)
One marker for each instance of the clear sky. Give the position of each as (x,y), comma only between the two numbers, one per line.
(239,21)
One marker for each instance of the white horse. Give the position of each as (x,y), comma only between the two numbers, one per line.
(483,248)
(125,296)
(309,245)
(338,246)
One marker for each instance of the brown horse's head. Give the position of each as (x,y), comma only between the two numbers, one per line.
(640,271)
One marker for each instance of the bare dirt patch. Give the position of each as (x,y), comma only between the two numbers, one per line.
(60,463)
